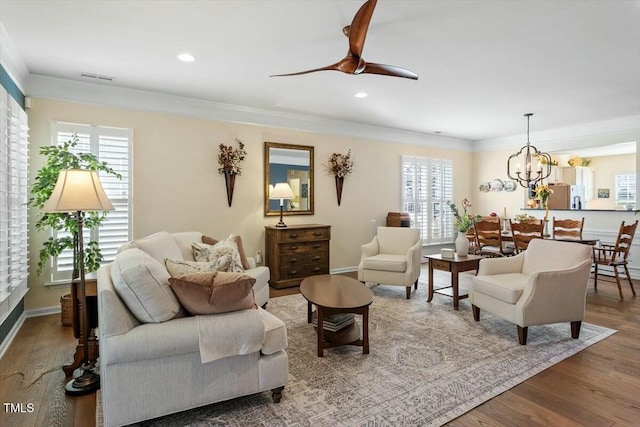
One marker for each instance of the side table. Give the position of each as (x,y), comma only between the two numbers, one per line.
(455,266)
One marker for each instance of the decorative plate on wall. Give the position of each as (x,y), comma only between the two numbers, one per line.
(485,187)
(497,185)
(510,186)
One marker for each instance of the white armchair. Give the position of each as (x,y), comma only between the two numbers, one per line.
(392,258)
(545,284)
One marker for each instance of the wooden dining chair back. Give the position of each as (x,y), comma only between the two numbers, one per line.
(489,238)
(616,256)
(524,232)
(567,228)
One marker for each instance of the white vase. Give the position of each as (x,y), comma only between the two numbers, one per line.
(462,244)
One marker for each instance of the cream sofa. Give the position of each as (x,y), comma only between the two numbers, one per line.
(156,368)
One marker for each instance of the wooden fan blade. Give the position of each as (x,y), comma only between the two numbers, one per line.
(359,27)
(346,65)
(388,70)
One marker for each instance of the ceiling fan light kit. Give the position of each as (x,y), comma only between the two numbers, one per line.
(353,63)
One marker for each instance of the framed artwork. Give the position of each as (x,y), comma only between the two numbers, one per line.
(603,193)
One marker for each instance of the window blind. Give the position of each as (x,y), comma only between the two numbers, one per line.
(111,145)
(14,193)
(427,185)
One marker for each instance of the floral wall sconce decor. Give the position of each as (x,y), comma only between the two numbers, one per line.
(340,165)
(230,160)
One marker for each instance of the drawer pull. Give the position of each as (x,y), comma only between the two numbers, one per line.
(293,272)
(293,235)
(316,269)
(316,246)
(316,258)
(317,234)
(293,260)
(294,248)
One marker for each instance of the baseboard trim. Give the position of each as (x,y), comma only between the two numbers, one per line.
(12,334)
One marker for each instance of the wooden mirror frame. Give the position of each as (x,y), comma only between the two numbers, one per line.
(267,169)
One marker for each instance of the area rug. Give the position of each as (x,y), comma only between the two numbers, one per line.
(428,364)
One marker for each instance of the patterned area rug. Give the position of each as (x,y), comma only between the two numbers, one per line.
(428,365)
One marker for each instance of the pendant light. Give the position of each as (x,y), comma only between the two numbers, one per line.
(531,165)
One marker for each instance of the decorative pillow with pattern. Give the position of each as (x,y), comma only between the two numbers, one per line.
(181,267)
(227,247)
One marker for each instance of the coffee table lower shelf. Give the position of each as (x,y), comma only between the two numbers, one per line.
(349,335)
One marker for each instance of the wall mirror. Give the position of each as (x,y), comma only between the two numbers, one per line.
(292,164)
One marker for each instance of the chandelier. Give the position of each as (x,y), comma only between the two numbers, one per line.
(532,166)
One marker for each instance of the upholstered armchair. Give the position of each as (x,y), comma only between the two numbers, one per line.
(392,258)
(545,284)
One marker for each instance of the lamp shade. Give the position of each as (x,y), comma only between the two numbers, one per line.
(78,190)
(282,190)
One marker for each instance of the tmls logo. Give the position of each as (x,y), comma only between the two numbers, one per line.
(21,408)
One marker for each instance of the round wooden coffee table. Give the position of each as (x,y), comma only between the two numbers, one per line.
(333,294)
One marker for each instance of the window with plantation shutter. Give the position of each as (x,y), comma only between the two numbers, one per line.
(427,185)
(111,145)
(626,190)
(14,194)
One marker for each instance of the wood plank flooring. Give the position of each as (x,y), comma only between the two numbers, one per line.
(599,386)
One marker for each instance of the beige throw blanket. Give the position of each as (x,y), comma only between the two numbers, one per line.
(230,334)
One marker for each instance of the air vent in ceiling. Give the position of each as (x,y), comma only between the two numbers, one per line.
(90,76)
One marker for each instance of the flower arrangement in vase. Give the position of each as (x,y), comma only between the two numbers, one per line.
(462,222)
(230,160)
(340,165)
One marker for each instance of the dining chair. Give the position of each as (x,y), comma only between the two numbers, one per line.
(489,238)
(615,256)
(524,232)
(567,228)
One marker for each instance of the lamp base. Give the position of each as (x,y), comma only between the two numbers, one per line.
(86,383)
(281,225)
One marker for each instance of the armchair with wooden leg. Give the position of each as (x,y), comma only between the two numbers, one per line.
(616,256)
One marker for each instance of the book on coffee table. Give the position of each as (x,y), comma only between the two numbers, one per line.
(335,322)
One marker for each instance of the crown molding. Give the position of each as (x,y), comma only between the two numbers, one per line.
(39,86)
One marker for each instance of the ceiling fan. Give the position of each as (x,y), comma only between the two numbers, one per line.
(353,63)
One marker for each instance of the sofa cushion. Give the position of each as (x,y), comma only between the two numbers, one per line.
(143,285)
(275,333)
(207,253)
(184,240)
(386,262)
(160,246)
(505,287)
(217,292)
(177,267)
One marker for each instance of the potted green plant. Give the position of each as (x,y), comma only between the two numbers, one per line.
(61,157)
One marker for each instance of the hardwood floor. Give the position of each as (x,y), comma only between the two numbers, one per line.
(599,386)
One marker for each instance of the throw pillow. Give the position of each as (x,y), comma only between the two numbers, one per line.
(179,267)
(243,256)
(216,292)
(207,253)
(143,285)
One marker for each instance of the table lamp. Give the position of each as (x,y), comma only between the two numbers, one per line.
(281,191)
(78,191)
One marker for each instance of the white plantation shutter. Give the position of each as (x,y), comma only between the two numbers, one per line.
(14,192)
(427,185)
(111,145)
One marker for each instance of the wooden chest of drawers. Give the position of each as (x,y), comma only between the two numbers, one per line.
(296,252)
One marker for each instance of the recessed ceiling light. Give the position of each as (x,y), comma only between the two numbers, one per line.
(361,95)
(186,57)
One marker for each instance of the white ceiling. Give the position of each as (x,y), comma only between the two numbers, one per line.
(482,64)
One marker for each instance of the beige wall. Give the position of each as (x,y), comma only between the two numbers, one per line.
(177,186)
(604,171)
